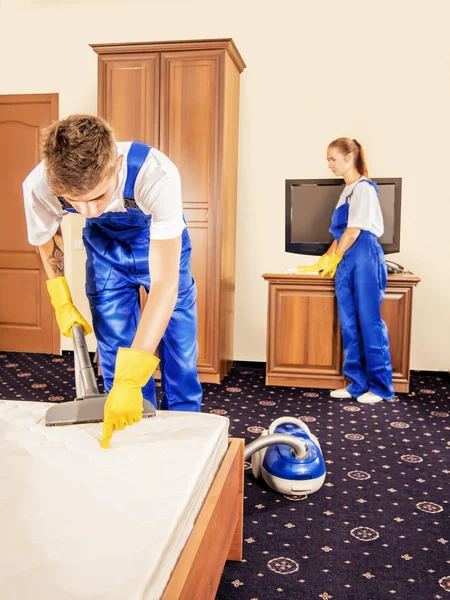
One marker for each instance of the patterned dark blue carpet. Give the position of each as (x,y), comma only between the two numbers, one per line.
(379,528)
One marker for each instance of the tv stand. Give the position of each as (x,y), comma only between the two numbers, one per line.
(304,347)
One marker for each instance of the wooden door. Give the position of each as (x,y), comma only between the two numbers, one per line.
(190,134)
(128,96)
(27,321)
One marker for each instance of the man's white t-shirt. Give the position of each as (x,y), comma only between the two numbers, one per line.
(157,192)
(364,207)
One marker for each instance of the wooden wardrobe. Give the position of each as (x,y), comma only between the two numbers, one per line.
(182,97)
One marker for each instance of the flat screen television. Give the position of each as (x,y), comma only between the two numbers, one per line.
(309,208)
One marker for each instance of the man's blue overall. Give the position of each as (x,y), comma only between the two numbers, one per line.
(117,247)
(361,279)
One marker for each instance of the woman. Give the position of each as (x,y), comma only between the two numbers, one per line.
(357,259)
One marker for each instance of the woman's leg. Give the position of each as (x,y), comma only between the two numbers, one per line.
(354,363)
(370,284)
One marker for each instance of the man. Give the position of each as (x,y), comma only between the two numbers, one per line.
(129,193)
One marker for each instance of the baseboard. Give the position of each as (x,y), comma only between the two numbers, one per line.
(248,364)
(70,353)
(445,374)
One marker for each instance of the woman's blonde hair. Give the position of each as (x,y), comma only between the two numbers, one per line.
(78,152)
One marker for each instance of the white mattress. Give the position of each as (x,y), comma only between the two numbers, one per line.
(79,522)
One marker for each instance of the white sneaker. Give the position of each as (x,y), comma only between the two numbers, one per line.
(342,393)
(369,398)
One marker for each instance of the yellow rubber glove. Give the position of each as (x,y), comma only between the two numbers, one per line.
(330,269)
(65,311)
(124,404)
(303,269)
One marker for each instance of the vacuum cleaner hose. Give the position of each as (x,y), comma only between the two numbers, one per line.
(300,449)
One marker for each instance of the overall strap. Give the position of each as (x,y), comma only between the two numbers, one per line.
(65,205)
(373,184)
(369,181)
(136,157)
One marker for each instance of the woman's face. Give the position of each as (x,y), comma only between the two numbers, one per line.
(338,163)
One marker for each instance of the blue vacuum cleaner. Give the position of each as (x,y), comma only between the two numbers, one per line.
(288,457)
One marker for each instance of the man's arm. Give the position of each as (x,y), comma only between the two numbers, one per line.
(135,365)
(52,255)
(164,264)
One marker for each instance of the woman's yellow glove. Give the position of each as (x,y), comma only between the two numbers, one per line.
(331,267)
(65,311)
(317,267)
(124,404)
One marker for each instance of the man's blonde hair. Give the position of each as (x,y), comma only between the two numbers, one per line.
(79,152)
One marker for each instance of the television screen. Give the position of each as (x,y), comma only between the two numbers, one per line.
(310,205)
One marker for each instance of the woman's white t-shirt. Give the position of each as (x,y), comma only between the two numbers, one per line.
(364,207)
(157,192)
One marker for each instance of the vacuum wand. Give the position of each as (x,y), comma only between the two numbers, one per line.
(88,406)
(84,369)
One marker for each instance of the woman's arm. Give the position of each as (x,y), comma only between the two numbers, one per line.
(332,249)
(347,240)
(52,255)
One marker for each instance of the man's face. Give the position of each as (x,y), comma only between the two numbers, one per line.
(94,203)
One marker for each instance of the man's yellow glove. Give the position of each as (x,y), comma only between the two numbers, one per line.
(303,269)
(330,269)
(66,313)
(124,404)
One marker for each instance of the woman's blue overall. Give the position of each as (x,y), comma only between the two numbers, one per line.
(117,247)
(361,279)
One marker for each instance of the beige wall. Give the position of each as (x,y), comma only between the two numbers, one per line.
(376,71)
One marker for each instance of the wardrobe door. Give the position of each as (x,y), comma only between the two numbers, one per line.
(191,135)
(128,95)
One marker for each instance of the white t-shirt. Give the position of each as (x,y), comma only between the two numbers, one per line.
(364,207)
(157,192)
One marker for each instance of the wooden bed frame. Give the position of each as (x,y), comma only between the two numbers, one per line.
(216,535)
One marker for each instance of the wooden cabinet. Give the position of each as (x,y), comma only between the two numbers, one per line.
(304,345)
(183,98)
